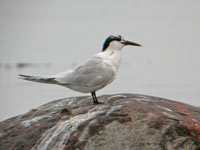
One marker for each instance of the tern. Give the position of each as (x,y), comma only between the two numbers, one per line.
(94,74)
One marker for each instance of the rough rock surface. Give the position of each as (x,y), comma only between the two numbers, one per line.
(123,122)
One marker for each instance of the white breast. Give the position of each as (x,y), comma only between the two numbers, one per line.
(111,57)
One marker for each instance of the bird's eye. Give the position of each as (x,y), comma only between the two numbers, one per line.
(121,38)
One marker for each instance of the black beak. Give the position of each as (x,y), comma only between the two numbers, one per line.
(131,43)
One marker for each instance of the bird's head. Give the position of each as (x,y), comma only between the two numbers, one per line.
(117,42)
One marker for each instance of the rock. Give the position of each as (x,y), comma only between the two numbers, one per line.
(123,122)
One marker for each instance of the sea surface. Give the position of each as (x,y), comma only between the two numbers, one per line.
(46,37)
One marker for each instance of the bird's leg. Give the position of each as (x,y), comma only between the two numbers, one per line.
(95,98)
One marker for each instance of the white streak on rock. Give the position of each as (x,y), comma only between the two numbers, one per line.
(164,108)
(56,137)
(114,108)
(117,96)
(28,123)
(169,115)
(143,98)
(56,105)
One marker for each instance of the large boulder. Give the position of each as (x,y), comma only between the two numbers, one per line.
(123,122)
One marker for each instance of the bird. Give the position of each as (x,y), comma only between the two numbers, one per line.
(96,73)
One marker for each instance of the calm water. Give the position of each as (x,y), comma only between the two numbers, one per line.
(58,35)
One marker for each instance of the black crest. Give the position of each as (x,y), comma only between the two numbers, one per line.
(110,39)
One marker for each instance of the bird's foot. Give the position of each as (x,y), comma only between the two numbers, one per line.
(97,102)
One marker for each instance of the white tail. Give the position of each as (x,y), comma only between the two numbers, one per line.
(38,79)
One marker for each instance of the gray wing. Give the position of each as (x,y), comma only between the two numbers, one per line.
(94,73)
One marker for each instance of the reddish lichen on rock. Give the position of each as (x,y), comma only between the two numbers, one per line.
(189,121)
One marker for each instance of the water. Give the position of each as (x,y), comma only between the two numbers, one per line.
(58,35)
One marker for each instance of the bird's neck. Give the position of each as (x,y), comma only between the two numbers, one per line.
(112,57)
(111,52)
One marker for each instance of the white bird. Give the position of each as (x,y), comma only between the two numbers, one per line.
(93,75)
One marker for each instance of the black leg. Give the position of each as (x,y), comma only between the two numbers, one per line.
(95,98)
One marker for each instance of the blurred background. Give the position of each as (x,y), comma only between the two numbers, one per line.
(40,37)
